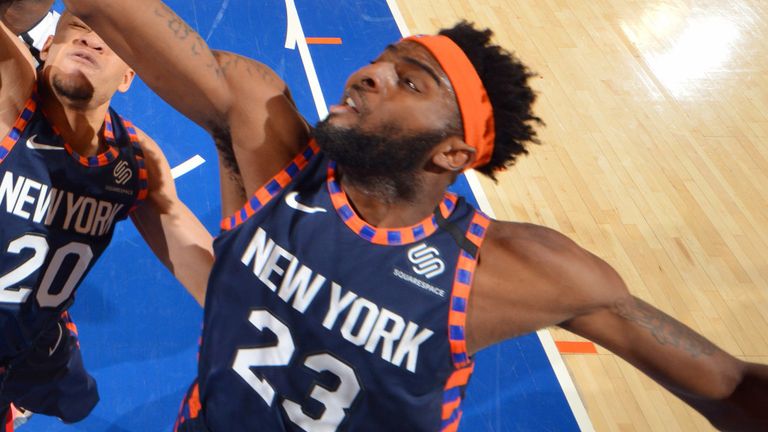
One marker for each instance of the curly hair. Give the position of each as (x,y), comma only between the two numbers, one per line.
(505,79)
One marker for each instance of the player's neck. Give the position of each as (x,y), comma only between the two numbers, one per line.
(79,125)
(382,209)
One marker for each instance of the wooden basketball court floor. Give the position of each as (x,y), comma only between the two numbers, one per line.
(653,157)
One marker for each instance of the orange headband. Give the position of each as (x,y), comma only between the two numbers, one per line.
(475,107)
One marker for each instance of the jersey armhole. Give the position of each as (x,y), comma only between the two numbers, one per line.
(462,286)
(457,320)
(274,186)
(138,155)
(10,140)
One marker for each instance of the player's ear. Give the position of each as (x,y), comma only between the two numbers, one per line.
(453,154)
(125,82)
(46,48)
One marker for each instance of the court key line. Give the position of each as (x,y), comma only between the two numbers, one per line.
(295,37)
(187,166)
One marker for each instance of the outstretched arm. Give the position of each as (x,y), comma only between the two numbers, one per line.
(21,15)
(732,394)
(170,229)
(530,277)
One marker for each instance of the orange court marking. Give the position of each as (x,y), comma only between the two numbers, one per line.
(324,41)
(576,347)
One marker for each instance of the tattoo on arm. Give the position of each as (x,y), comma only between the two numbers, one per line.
(183,31)
(229,61)
(664,328)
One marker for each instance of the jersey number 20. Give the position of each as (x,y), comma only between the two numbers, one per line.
(11,292)
(336,401)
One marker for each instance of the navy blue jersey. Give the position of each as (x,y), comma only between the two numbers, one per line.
(57,214)
(317,321)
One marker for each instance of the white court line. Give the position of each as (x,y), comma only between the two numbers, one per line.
(217,20)
(553,355)
(295,36)
(187,166)
(569,389)
(558,365)
(399,20)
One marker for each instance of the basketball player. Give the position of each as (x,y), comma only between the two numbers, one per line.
(350,291)
(70,169)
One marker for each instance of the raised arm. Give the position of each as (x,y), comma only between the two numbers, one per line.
(170,229)
(242,103)
(531,277)
(17,71)
(168,55)
(21,15)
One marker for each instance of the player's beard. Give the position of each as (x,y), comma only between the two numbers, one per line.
(74,87)
(385,163)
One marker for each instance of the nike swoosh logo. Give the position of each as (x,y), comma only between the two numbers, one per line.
(58,341)
(37,146)
(290,199)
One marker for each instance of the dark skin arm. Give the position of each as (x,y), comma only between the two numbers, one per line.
(17,70)
(531,277)
(732,394)
(21,15)
(240,102)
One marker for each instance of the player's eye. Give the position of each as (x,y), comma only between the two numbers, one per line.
(409,84)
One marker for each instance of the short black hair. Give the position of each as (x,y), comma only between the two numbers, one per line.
(505,79)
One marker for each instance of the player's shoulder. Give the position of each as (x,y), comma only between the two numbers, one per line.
(529,240)
(555,257)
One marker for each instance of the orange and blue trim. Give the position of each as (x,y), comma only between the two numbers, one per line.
(384,236)
(10,140)
(71,326)
(190,407)
(265,193)
(8,420)
(138,154)
(101,159)
(457,321)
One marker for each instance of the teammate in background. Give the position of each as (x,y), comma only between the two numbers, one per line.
(350,291)
(70,168)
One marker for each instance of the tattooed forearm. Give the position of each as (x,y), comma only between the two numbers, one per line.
(664,328)
(183,32)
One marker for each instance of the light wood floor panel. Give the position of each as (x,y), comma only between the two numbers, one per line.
(654,157)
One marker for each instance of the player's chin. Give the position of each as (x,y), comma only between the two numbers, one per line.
(73,86)
(331,121)
(343,121)
(73,74)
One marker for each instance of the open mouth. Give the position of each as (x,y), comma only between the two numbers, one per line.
(350,103)
(84,57)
